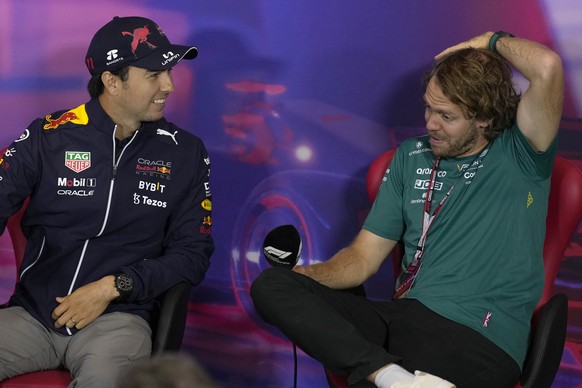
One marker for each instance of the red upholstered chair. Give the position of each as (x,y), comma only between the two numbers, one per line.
(168,330)
(550,317)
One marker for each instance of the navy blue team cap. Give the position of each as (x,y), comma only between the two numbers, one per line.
(134,41)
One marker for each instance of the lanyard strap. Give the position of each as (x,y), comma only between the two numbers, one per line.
(427,221)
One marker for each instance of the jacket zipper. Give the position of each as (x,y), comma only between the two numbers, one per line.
(106,218)
(112,183)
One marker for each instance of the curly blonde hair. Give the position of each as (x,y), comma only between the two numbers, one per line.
(480,83)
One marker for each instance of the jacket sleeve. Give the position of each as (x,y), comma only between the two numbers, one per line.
(187,244)
(19,169)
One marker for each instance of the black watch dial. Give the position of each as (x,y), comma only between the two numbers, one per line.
(123,284)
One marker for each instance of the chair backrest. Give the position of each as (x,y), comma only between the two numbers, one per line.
(376,173)
(564,214)
(564,211)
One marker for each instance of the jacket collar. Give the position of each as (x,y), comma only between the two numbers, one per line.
(97,116)
(102,122)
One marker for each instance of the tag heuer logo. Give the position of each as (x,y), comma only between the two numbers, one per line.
(77,160)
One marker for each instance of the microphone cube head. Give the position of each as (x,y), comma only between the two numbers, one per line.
(282,246)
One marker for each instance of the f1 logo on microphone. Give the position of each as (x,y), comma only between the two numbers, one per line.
(276,254)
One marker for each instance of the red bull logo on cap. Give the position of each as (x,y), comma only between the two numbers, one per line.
(140,35)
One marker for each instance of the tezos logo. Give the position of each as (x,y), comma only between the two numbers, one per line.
(145,200)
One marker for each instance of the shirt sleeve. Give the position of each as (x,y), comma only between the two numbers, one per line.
(19,169)
(386,215)
(537,165)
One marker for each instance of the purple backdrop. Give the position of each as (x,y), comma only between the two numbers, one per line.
(293,100)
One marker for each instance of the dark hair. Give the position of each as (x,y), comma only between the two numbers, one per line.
(95,85)
(480,83)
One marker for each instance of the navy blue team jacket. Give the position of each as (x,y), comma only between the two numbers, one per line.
(97,208)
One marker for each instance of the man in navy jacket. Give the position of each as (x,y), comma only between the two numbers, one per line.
(119,212)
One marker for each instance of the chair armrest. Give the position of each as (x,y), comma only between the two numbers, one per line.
(547,343)
(169,330)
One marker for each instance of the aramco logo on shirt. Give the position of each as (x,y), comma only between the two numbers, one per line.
(77,160)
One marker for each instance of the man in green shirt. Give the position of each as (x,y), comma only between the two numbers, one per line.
(469,201)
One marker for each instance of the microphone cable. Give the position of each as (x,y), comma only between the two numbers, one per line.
(282,248)
(294,365)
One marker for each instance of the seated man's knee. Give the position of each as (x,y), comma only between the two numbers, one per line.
(270,286)
(267,280)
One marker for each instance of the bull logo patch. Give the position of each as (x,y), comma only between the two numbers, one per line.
(76,116)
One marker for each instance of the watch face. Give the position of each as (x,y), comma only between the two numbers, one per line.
(123,283)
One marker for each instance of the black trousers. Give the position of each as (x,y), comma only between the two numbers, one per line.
(351,334)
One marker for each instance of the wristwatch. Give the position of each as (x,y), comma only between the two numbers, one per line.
(495,37)
(123,285)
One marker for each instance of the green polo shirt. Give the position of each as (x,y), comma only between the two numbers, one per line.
(482,264)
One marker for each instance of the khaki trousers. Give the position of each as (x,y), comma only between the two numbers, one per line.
(94,356)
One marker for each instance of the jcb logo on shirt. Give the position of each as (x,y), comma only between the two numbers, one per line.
(77,160)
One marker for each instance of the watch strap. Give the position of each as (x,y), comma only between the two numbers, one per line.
(495,37)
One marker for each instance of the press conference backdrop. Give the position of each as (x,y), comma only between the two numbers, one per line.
(293,99)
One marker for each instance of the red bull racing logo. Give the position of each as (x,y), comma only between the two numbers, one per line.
(77,160)
(158,168)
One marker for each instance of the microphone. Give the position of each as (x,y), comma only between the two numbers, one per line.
(282,246)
